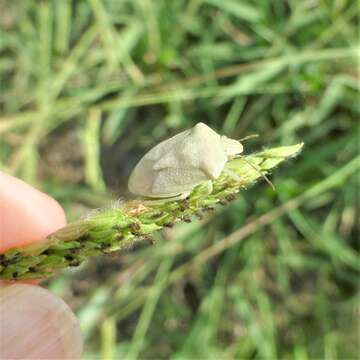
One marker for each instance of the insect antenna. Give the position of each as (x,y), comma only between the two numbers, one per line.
(259,172)
(252,136)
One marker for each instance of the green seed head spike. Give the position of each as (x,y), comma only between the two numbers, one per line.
(135,220)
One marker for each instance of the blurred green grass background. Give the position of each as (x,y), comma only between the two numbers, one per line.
(88,86)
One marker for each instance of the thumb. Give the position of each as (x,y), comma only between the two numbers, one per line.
(35,324)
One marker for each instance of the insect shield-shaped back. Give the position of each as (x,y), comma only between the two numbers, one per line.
(178,164)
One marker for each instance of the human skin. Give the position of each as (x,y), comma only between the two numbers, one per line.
(34,324)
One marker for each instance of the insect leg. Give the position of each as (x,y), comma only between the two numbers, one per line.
(159,201)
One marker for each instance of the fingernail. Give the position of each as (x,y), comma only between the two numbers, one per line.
(35,324)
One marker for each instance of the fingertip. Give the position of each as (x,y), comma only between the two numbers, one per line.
(36,324)
(27,215)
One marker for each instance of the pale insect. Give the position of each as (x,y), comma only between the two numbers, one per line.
(175,166)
